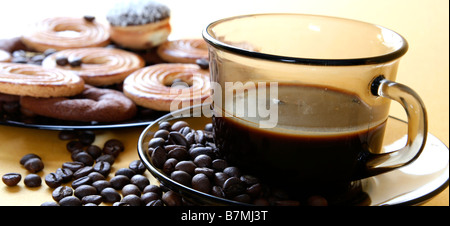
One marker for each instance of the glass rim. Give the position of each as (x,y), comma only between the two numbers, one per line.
(393,55)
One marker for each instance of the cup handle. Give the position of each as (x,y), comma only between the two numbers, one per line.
(417,127)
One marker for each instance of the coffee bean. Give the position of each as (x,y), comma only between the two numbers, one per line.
(178,125)
(132,200)
(32,180)
(157,202)
(62,60)
(93,199)
(156,142)
(220,178)
(233,186)
(209,127)
(73,166)
(70,201)
(131,189)
(102,167)
(186,166)
(117,182)
(84,171)
(249,179)
(74,145)
(85,190)
(75,61)
(205,170)
(137,166)
(149,196)
(178,138)
(49,204)
(101,184)
(34,165)
(65,173)
(85,158)
(232,171)
(53,180)
(106,158)
(152,188)
(95,176)
(203,160)
(181,177)
(140,181)
(61,192)
(244,198)
(194,152)
(113,147)
(169,166)
(158,157)
(171,198)
(11,179)
(217,191)
(85,180)
(178,153)
(254,190)
(201,183)
(89,18)
(126,172)
(26,157)
(162,133)
(219,164)
(110,195)
(165,126)
(94,151)
(202,63)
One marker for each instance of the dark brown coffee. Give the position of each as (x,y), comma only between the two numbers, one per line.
(321,141)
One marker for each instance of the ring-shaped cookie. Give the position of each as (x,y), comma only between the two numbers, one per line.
(183,51)
(151,87)
(99,66)
(66,33)
(33,80)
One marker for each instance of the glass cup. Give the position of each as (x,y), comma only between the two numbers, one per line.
(301,101)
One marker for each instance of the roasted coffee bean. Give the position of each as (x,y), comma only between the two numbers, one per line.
(84,171)
(53,180)
(85,190)
(149,196)
(209,127)
(196,151)
(200,137)
(203,160)
(32,180)
(190,137)
(94,151)
(220,178)
(73,166)
(110,195)
(254,190)
(201,183)
(156,142)
(131,189)
(49,204)
(65,173)
(75,61)
(178,125)
(113,147)
(219,164)
(101,184)
(106,158)
(62,60)
(70,201)
(74,145)
(34,165)
(205,170)
(93,199)
(162,133)
(165,126)
(84,157)
(232,171)
(233,186)
(89,18)
(202,63)
(140,181)
(117,182)
(132,200)
(261,202)
(186,166)
(95,176)
(26,157)
(217,191)
(181,177)
(158,157)
(172,198)
(126,172)
(178,138)
(244,198)
(157,202)
(61,192)
(185,130)
(137,166)
(11,179)
(169,166)
(85,180)
(249,179)
(178,153)
(103,168)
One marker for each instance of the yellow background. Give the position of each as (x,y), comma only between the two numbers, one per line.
(425,68)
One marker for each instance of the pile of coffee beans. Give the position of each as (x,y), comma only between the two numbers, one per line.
(191,158)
